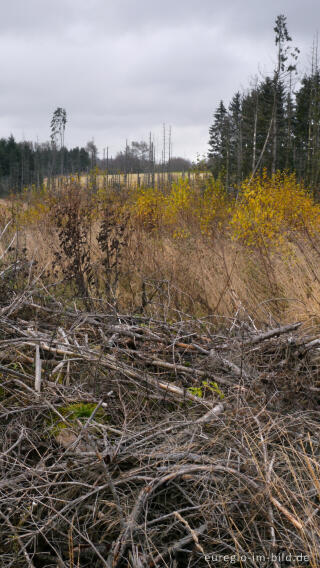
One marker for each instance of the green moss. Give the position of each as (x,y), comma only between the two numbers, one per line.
(196,391)
(73,412)
(79,410)
(56,427)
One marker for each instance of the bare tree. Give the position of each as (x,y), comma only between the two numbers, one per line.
(58,126)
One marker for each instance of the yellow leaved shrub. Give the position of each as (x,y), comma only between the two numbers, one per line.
(269,209)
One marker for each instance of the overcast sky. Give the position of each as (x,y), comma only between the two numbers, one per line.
(121,68)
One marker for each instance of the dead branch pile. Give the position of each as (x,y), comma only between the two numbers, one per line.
(127,441)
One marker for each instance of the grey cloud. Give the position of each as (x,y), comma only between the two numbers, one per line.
(121,68)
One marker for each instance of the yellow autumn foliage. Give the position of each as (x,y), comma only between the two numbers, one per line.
(183,207)
(214,206)
(33,206)
(269,209)
(148,206)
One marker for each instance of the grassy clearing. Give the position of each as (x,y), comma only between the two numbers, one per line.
(203,250)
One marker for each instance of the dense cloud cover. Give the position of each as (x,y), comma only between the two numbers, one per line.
(121,67)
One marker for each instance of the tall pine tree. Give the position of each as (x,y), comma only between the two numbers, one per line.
(219,143)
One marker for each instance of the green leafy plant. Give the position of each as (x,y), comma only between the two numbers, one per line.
(211,386)
(196,391)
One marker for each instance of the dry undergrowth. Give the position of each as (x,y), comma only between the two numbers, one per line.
(140,442)
(159,395)
(212,252)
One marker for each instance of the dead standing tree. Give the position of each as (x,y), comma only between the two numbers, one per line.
(58,126)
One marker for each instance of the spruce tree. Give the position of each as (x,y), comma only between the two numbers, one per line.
(219,142)
(235,121)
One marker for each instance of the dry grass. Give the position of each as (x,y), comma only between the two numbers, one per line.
(132,180)
(204,276)
(200,273)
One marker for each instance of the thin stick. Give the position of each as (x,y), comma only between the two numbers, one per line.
(38,363)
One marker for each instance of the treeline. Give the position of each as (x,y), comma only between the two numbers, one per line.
(25,163)
(139,157)
(272,125)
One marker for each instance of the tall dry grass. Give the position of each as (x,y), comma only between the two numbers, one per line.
(177,251)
